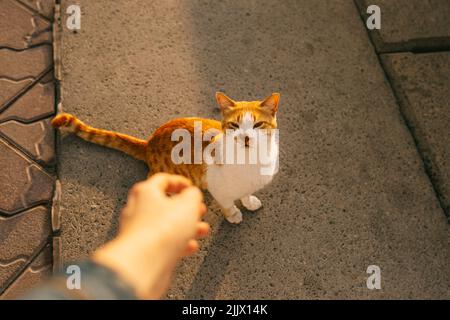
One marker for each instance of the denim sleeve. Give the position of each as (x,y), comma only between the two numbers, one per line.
(96,283)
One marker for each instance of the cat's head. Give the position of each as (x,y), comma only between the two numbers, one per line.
(248,114)
(247,117)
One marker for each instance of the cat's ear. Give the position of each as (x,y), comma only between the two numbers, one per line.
(224,102)
(271,103)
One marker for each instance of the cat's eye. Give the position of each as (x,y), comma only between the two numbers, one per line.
(233,125)
(258,125)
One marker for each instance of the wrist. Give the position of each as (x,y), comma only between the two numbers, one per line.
(141,263)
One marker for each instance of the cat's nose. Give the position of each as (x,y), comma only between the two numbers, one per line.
(247,141)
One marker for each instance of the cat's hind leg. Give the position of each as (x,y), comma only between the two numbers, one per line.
(251,203)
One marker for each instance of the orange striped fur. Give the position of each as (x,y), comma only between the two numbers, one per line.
(122,142)
(156,151)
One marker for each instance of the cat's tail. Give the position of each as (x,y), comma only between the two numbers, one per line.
(132,146)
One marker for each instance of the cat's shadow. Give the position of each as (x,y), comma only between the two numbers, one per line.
(110,172)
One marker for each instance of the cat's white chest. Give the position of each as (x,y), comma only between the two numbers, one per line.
(234,181)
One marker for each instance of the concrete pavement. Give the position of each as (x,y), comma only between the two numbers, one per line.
(351,192)
(411,25)
(422,85)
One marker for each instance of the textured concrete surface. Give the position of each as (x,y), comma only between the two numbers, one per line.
(351,191)
(422,83)
(408,20)
(27,154)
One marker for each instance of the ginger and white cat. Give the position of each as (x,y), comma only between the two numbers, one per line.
(227,182)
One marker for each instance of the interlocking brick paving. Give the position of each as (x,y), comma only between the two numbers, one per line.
(37,102)
(18,65)
(37,271)
(20,27)
(44,7)
(26,144)
(10,88)
(23,183)
(36,139)
(24,233)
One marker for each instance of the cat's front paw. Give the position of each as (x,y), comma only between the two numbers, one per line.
(251,203)
(233,215)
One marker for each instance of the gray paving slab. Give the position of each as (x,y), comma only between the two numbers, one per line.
(408,25)
(404,20)
(422,83)
(351,191)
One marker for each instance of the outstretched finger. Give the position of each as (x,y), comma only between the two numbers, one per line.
(203,209)
(192,247)
(203,229)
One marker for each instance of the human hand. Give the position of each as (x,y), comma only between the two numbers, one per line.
(155,230)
